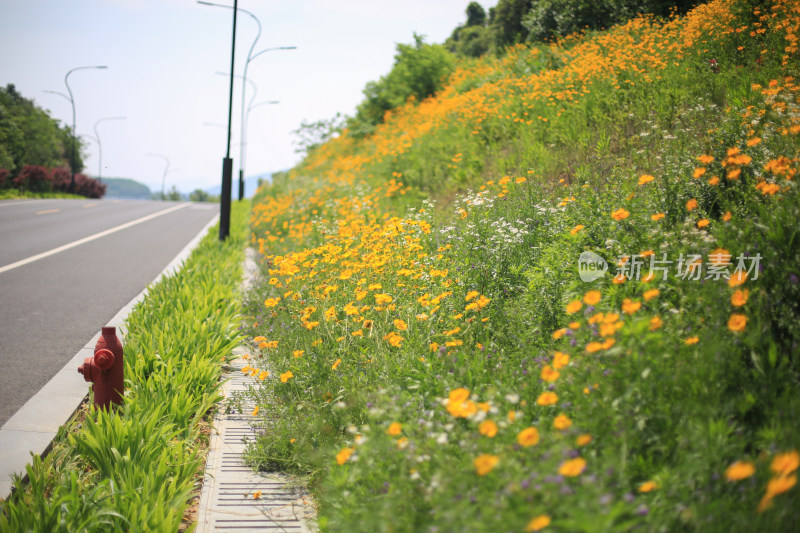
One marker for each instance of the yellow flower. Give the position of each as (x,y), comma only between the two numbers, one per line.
(574,306)
(692,340)
(547,398)
(737,322)
(471,295)
(583,440)
(343,455)
(528,437)
(263,375)
(298,353)
(335,365)
(286,376)
(400,324)
(775,486)
(740,470)
(538,523)
(395,428)
(739,297)
(562,422)
(255,411)
(488,428)
(784,464)
(573,467)
(620,214)
(592,297)
(557,334)
(645,178)
(485,463)
(271,302)
(381,299)
(648,486)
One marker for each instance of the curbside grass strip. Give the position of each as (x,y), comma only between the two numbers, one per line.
(33,427)
(104,475)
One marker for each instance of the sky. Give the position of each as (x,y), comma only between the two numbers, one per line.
(163,59)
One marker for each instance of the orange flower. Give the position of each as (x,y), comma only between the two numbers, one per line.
(658,216)
(727,216)
(547,398)
(692,340)
(655,323)
(698,172)
(488,428)
(485,463)
(620,214)
(649,295)
(574,306)
(737,322)
(691,204)
(645,178)
(648,486)
(739,297)
(343,455)
(562,422)
(738,277)
(573,467)
(528,437)
(286,376)
(557,334)
(335,365)
(733,173)
(560,360)
(592,297)
(549,374)
(538,523)
(784,464)
(702,223)
(630,306)
(576,229)
(706,159)
(583,440)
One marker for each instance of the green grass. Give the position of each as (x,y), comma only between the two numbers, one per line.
(14,194)
(670,382)
(135,468)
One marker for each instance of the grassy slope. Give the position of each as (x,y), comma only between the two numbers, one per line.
(415,343)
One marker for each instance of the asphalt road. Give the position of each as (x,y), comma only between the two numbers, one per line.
(51,307)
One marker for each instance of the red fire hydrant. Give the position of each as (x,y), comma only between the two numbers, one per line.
(105,369)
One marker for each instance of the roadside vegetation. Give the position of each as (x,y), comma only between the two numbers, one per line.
(35,153)
(134,469)
(432,353)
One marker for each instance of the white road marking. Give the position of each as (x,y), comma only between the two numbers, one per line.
(91,238)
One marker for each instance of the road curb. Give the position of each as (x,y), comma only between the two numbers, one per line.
(33,427)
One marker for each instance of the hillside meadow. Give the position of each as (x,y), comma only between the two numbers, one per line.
(561,294)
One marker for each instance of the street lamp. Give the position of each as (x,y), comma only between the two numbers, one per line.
(250,57)
(100,146)
(72,101)
(166,168)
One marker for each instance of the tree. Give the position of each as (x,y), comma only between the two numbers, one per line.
(312,134)
(476,16)
(507,21)
(419,71)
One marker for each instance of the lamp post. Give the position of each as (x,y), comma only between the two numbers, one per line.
(227,162)
(72,101)
(166,169)
(250,57)
(100,146)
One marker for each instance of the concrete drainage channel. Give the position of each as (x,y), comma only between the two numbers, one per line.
(234,497)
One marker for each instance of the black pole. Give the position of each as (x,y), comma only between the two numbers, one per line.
(227,162)
(241,184)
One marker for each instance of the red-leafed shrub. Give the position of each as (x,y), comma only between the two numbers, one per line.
(61,178)
(34,178)
(89,187)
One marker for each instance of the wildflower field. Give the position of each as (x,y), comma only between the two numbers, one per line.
(561,294)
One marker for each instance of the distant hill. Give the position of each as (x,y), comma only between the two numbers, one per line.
(126,188)
(250,185)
